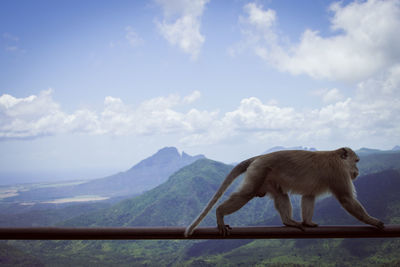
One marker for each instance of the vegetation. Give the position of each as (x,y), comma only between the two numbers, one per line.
(178,201)
(12,215)
(185,193)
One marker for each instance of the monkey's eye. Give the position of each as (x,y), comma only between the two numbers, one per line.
(357,160)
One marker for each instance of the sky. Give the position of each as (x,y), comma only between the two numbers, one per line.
(89,88)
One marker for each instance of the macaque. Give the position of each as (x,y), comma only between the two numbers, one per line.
(307,173)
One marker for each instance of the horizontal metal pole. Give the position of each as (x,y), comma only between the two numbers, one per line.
(130,233)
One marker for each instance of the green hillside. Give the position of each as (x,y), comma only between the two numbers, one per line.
(185,193)
(11,256)
(372,163)
(45,214)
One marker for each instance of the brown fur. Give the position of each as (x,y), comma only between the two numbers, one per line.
(295,171)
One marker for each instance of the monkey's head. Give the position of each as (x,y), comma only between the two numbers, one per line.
(350,159)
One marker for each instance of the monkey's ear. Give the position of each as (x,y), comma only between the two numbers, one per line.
(343,153)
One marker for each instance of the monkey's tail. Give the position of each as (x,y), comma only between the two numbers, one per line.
(236,171)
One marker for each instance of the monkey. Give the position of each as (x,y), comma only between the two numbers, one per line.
(307,173)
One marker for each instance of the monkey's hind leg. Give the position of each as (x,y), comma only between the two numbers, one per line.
(307,210)
(232,204)
(284,207)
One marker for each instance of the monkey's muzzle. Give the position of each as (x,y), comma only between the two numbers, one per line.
(354,174)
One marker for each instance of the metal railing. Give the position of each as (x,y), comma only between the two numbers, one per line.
(138,233)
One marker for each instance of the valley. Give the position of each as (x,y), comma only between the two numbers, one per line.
(143,176)
(178,199)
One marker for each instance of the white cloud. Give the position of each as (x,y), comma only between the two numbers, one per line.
(11,43)
(133,38)
(40,115)
(130,37)
(372,115)
(155,116)
(365,40)
(253,115)
(10,37)
(364,48)
(262,19)
(192,97)
(181,24)
(329,96)
(116,118)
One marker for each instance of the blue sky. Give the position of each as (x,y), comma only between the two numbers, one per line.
(88,88)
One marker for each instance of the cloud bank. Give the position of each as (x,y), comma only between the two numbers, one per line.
(39,115)
(373,114)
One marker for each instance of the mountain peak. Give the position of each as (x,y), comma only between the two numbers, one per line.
(168,150)
(367,149)
(167,159)
(279,148)
(143,176)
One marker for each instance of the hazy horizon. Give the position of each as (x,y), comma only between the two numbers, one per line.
(13,178)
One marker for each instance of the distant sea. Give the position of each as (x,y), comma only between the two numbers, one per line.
(11,178)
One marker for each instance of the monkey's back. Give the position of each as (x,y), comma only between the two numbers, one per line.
(297,171)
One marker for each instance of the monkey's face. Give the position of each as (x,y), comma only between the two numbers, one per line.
(354,173)
(353,169)
(351,159)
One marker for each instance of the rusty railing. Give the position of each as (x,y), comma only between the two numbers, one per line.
(131,233)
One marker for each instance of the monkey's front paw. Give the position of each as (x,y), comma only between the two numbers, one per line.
(379,224)
(224,230)
(309,224)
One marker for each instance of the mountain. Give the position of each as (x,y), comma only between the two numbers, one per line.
(279,148)
(377,162)
(188,190)
(178,201)
(368,151)
(396,148)
(185,193)
(145,175)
